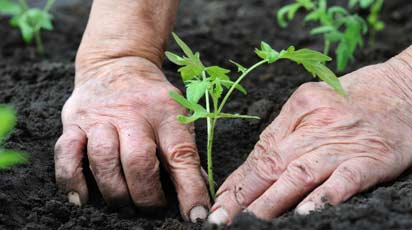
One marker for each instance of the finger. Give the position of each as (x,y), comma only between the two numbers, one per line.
(140,165)
(273,134)
(180,156)
(68,156)
(261,170)
(301,176)
(104,159)
(348,179)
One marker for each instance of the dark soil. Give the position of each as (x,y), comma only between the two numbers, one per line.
(221,30)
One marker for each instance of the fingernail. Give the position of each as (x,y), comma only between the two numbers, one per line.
(198,212)
(218,217)
(74,198)
(305,208)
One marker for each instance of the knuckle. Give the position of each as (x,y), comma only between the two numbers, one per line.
(65,145)
(301,174)
(269,166)
(183,155)
(141,161)
(305,92)
(103,149)
(351,175)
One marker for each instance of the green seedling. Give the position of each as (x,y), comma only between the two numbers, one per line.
(7,122)
(375,8)
(214,85)
(30,21)
(335,24)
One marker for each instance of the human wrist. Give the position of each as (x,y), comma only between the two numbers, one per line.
(400,74)
(134,29)
(117,70)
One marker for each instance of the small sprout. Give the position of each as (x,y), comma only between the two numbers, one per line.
(214,85)
(30,21)
(7,122)
(337,25)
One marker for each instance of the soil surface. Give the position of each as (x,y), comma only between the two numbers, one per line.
(222,30)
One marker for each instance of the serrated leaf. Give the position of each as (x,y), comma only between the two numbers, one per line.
(7,121)
(217,89)
(9,158)
(192,67)
(305,55)
(240,68)
(217,72)
(10,8)
(313,61)
(267,53)
(195,90)
(326,75)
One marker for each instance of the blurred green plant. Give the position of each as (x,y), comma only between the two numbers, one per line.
(30,21)
(375,8)
(7,122)
(337,25)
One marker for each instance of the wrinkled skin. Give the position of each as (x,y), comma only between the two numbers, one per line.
(324,148)
(119,114)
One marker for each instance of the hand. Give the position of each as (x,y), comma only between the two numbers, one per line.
(120,112)
(324,148)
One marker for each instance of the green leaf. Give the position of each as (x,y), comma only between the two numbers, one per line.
(229,84)
(313,61)
(196,89)
(312,16)
(322,30)
(7,121)
(217,89)
(326,75)
(10,8)
(267,53)
(185,48)
(217,72)
(186,103)
(26,30)
(174,58)
(38,19)
(352,3)
(240,68)
(305,55)
(192,67)
(10,157)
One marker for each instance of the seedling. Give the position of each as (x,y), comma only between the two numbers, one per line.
(30,21)
(336,25)
(7,122)
(210,82)
(375,8)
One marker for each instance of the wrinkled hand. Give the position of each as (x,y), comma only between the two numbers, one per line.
(120,113)
(324,148)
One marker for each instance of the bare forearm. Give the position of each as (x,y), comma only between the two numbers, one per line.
(127,28)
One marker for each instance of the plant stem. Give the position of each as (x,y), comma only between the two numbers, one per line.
(210,133)
(232,88)
(327,47)
(39,43)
